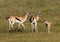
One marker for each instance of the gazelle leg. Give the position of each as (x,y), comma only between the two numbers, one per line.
(32,25)
(36,27)
(48,29)
(23,25)
(18,26)
(12,25)
(9,27)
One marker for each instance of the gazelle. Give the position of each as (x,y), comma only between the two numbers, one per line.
(33,22)
(15,19)
(48,25)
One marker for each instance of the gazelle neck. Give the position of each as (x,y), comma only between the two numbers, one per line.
(25,18)
(37,16)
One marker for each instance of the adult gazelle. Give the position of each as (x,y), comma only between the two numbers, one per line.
(33,21)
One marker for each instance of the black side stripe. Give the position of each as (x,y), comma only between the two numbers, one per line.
(31,19)
(46,24)
(18,19)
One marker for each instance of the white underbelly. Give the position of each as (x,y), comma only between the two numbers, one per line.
(17,21)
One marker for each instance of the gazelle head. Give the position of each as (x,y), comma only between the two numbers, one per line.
(26,12)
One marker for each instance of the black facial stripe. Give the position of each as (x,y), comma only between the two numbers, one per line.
(18,19)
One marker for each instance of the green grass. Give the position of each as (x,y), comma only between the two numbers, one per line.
(50,10)
(29,37)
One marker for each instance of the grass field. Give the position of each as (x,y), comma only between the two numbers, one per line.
(50,10)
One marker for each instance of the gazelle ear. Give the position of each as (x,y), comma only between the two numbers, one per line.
(26,10)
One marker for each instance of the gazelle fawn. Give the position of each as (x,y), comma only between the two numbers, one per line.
(17,19)
(33,21)
(48,25)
